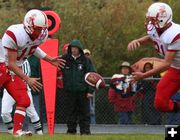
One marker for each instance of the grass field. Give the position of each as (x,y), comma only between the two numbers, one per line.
(90,137)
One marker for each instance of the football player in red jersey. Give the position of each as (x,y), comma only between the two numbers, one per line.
(18,43)
(165,35)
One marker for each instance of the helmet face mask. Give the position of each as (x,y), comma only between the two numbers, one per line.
(151,22)
(37,31)
(159,14)
(35,23)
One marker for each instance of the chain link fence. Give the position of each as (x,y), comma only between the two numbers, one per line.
(102,112)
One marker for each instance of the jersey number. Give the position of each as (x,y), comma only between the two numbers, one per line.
(27,52)
(159,48)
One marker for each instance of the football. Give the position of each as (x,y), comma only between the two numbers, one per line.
(95,80)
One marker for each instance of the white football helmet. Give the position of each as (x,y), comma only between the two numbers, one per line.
(159,14)
(35,21)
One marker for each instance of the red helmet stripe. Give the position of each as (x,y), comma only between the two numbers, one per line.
(45,18)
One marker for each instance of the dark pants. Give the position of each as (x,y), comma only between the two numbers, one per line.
(173,118)
(125,117)
(77,111)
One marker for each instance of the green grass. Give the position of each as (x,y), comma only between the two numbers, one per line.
(90,137)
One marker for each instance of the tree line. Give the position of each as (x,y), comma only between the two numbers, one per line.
(104,26)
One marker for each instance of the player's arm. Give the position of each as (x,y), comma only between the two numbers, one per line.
(134,44)
(173,47)
(12,58)
(56,61)
(9,41)
(32,82)
(160,68)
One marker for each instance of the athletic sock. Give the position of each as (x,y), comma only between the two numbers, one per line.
(38,127)
(19,116)
(9,125)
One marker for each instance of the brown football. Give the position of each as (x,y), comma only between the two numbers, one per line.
(95,80)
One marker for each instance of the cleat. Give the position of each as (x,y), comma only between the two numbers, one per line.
(20,133)
(10,131)
(40,132)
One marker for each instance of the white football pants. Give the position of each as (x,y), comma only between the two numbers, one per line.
(7,107)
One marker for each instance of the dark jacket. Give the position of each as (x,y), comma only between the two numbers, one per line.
(75,70)
(35,66)
(35,69)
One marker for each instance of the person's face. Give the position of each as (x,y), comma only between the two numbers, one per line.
(125,70)
(65,51)
(75,51)
(37,31)
(148,67)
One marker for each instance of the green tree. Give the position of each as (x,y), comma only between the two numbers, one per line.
(104,26)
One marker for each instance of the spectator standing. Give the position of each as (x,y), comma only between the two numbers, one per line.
(60,95)
(76,89)
(87,53)
(123,106)
(59,73)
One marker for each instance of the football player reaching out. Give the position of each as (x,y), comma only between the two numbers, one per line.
(18,43)
(8,102)
(165,35)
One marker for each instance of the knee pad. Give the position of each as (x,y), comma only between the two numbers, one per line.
(6,117)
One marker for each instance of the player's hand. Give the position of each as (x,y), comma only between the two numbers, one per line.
(137,76)
(34,84)
(133,45)
(89,95)
(58,62)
